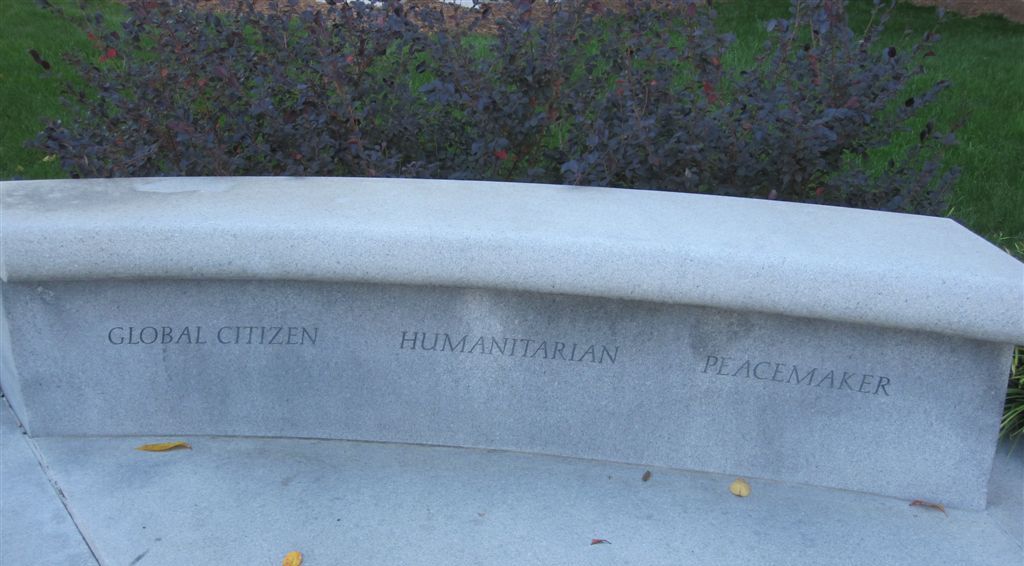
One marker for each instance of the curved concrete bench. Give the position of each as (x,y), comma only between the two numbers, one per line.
(820,345)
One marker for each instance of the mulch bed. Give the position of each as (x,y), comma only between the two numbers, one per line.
(481,18)
(1012,10)
(454,15)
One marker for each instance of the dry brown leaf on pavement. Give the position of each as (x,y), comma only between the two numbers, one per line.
(164,446)
(594,541)
(293,558)
(929,505)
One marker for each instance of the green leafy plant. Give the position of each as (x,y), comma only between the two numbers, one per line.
(1012,425)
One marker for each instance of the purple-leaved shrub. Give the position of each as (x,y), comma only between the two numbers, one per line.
(636,98)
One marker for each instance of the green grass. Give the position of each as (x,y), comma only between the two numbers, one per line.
(977,55)
(981,57)
(28,97)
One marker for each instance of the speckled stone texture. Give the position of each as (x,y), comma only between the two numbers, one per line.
(249,501)
(907,414)
(883,269)
(35,529)
(787,342)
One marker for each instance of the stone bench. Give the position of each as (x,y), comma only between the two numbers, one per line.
(817,345)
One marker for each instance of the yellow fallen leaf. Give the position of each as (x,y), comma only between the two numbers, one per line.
(740,488)
(293,558)
(163,446)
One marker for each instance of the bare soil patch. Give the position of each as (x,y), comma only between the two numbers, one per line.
(1012,10)
(482,18)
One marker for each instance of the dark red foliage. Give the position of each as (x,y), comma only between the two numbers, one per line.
(574,93)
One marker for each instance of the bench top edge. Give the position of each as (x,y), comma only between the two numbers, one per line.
(849,265)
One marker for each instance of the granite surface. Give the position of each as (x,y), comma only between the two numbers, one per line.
(908,414)
(1006,490)
(249,501)
(35,528)
(881,269)
(790,342)
(10,385)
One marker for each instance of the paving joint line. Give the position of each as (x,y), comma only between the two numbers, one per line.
(41,461)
